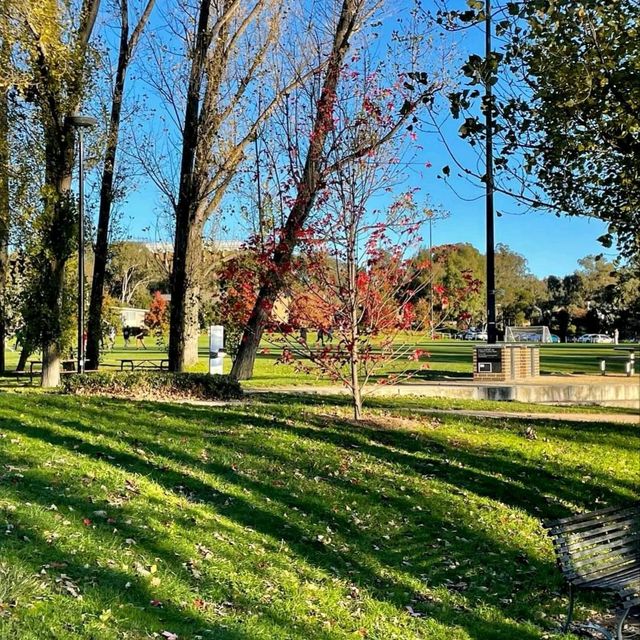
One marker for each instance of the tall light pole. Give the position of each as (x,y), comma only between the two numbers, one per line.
(488,105)
(431,267)
(80,123)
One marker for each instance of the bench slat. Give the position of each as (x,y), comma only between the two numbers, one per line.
(574,543)
(598,569)
(609,565)
(625,576)
(591,515)
(586,522)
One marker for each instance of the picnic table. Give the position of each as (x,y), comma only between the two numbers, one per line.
(144,363)
(68,366)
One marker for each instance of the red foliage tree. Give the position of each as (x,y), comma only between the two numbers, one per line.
(354,272)
(352,95)
(157,318)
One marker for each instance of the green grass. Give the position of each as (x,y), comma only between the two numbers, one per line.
(448,359)
(274,520)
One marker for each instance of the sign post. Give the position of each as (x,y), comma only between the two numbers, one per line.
(216,349)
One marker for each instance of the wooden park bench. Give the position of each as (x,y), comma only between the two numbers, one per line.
(144,363)
(600,551)
(629,360)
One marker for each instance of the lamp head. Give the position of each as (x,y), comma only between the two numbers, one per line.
(79,121)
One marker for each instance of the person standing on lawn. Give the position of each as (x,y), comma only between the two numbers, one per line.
(142,332)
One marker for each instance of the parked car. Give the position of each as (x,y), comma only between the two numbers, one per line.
(585,337)
(554,338)
(601,338)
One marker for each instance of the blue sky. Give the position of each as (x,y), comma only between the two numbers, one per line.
(550,244)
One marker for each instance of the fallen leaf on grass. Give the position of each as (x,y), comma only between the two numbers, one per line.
(67,585)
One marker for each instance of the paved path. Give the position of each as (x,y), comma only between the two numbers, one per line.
(621,418)
(566,416)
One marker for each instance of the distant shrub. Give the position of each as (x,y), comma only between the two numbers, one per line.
(153,385)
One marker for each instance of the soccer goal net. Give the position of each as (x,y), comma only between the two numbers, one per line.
(527,334)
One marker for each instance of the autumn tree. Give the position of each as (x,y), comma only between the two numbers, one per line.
(127,46)
(354,269)
(156,319)
(53,43)
(226,48)
(312,159)
(238,282)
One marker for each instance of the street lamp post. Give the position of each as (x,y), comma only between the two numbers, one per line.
(431,267)
(80,123)
(491,273)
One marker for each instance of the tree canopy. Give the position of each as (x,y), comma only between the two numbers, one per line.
(566,106)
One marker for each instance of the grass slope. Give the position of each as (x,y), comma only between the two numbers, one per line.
(280,521)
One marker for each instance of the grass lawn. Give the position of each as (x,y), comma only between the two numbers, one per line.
(447,359)
(273,520)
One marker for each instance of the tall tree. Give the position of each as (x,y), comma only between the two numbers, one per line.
(126,50)
(320,163)
(566,107)
(4,201)
(226,45)
(55,50)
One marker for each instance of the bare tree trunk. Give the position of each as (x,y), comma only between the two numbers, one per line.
(309,186)
(4,215)
(352,276)
(185,298)
(101,251)
(26,351)
(188,232)
(356,392)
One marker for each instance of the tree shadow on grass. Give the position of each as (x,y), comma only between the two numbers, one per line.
(103,583)
(498,474)
(380,574)
(247,515)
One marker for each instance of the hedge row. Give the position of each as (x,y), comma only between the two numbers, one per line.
(153,385)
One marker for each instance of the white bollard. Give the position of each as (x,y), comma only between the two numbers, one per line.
(216,349)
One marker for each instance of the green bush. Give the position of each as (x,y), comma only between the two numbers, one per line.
(153,385)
